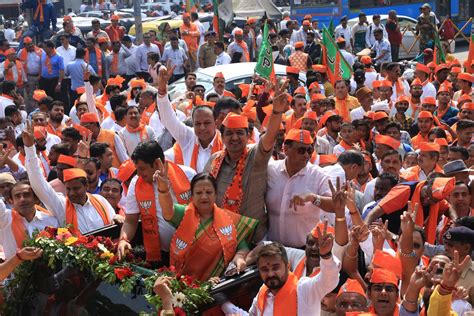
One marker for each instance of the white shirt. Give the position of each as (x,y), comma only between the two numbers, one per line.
(130,61)
(223,59)
(177,57)
(33,62)
(348,57)
(88,218)
(369,191)
(310,291)
(141,55)
(346,33)
(68,54)
(14,70)
(110,124)
(357,114)
(51,140)
(7,238)
(166,229)
(131,140)
(286,225)
(429,90)
(369,36)
(406,90)
(184,136)
(9,35)
(298,36)
(158,126)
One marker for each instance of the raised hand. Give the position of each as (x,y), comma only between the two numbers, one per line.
(280,100)
(452,270)
(164,75)
(162,287)
(28,135)
(423,276)
(408,218)
(359,234)
(161,176)
(83,147)
(339,197)
(325,240)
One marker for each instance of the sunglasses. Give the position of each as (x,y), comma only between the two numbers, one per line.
(304,150)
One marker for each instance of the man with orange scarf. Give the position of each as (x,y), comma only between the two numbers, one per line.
(18,224)
(84,211)
(114,30)
(191,35)
(345,103)
(142,202)
(134,132)
(52,70)
(425,124)
(12,69)
(430,195)
(30,56)
(427,163)
(239,47)
(95,58)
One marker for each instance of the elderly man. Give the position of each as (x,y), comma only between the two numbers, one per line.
(238,49)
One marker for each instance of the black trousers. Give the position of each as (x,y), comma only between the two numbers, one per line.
(66,96)
(49,86)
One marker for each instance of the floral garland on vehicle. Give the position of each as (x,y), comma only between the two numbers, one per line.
(98,255)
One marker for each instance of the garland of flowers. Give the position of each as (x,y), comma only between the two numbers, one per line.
(98,255)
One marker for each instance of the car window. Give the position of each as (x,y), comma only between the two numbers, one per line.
(83,14)
(406,24)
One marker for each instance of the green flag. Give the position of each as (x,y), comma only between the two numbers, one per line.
(336,65)
(264,65)
(438,52)
(331,28)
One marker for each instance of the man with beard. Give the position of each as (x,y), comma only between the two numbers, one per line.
(19,223)
(427,163)
(416,90)
(64,162)
(84,211)
(238,49)
(134,132)
(383,292)
(401,106)
(331,120)
(92,169)
(344,102)
(118,104)
(56,116)
(104,154)
(446,112)
(309,123)
(383,184)
(311,48)
(41,152)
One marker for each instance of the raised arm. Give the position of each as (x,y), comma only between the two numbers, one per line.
(407,258)
(89,92)
(280,105)
(164,194)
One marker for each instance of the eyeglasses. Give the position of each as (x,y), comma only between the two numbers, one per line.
(304,150)
(380,287)
(354,305)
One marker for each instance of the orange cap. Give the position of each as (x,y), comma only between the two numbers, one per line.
(89,118)
(67,160)
(137,83)
(10,51)
(441,67)
(67,18)
(310,115)
(327,159)
(468,106)
(40,132)
(384,260)
(251,20)
(444,88)
(81,90)
(233,120)
(102,40)
(219,75)
(425,146)
(456,70)
(126,170)
(300,136)
(308,17)
(292,70)
(380,115)
(441,141)
(425,114)
(403,98)
(428,100)
(383,276)
(386,84)
(340,40)
(317,96)
(27,40)
(85,132)
(250,114)
(388,141)
(245,88)
(366,60)
(300,90)
(442,187)
(117,81)
(73,173)
(319,68)
(38,95)
(466,76)
(328,115)
(424,68)
(186,15)
(416,82)
(369,115)
(114,17)
(314,231)
(299,45)
(376,84)
(306,23)
(352,286)
(238,31)
(465,97)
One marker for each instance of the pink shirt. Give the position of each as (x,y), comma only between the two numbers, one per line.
(288,226)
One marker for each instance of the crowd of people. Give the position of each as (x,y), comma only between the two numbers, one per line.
(349,195)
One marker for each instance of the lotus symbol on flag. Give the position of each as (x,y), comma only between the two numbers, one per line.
(226,231)
(145,205)
(180,244)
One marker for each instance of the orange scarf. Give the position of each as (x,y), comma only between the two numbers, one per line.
(399,87)
(245,48)
(414,108)
(141,128)
(98,56)
(55,131)
(418,139)
(24,56)
(114,66)
(343,108)
(186,231)
(19,70)
(234,194)
(290,122)
(146,115)
(48,62)
(18,227)
(286,299)
(71,214)
(178,152)
(145,195)
(345,145)
(430,228)
(45,156)
(440,114)
(39,11)
(300,267)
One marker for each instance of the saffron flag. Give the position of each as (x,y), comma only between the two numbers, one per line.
(215,19)
(470,57)
(438,52)
(264,65)
(337,67)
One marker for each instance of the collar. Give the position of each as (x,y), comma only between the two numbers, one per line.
(299,173)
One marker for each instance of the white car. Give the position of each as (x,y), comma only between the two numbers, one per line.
(234,75)
(408,29)
(85,23)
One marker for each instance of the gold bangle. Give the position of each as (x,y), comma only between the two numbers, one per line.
(168,312)
(340,219)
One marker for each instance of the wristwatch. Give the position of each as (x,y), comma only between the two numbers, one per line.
(317,201)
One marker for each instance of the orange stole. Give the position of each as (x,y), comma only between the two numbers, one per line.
(20,72)
(430,228)
(43,169)
(178,152)
(71,215)
(146,115)
(55,131)
(98,55)
(300,267)
(396,311)
(179,183)
(107,136)
(414,173)
(286,299)
(18,228)
(186,248)
(418,139)
(141,129)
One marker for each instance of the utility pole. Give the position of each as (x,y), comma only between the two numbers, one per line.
(138,21)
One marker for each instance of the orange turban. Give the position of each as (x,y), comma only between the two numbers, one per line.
(114,17)
(102,40)
(442,187)
(300,136)
(388,141)
(67,160)
(117,81)
(380,115)
(73,173)
(444,88)
(425,114)
(441,141)
(38,95)
(314,231)
(89,118)
(311,115)
(441,67)
(126,170)
(384,260)
(428,100)
(40,132)
(422,67)
(233,120)
(429,147)
(376,84)
(383,276)
(10,51)
(456,70)
(352,286)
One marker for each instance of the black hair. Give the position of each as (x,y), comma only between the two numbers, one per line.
(190,74)
(154,56)
(219,44)
(173,38)
(46,101)
(71,132)
(351,157)
(202,176)
(226,103)
(94,79)
(390,153)
(466,221)
(148,152)
(438,132)
(463,151)
(55,103)
(19,142)
(8,87)
(378,31)
(80,53)
(390,177)
(95,161)
(273,249)
(112,180)
(116,101)
(49,44)
(98,149)
(110,88)
(211,95)
(131,107)
(22,182)
(201,107)
(361,122)
(194,16)
(10,110)
(392,125)
(61,149)
(464,124)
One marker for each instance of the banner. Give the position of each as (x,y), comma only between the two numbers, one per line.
(336,66)
(215,19)
(438,52)
(264,65)
(226,11)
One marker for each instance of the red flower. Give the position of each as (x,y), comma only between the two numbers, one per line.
(122,273)
(51,230)
(113,260)
(45,234)
(179,311)
(188,280)
(172,269)
(109,243)
(92,245)
(81,240)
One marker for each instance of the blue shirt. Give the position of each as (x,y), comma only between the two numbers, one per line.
(75,70)
(57,64)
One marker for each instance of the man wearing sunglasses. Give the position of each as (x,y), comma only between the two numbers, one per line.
(292,179)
